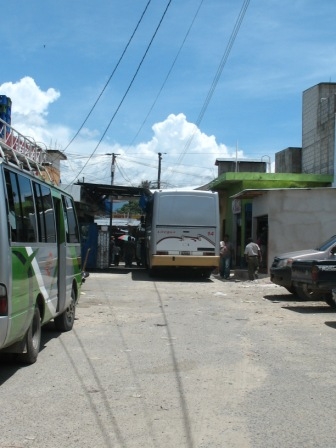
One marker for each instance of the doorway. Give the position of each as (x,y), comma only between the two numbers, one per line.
(262,241)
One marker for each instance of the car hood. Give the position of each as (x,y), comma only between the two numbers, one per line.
(307,253)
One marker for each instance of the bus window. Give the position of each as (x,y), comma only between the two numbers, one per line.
(70,221)
(22,216)
(46,216)
(11,207)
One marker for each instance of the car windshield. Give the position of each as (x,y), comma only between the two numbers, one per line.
(330,242)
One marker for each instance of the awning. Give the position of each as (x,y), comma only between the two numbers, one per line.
(249,194)
(100,192)
(95,198)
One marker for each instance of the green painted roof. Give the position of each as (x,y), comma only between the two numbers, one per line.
(241,181)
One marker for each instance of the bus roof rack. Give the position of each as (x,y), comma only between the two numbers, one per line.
(22,151)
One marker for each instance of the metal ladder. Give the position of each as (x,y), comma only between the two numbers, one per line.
(22,151)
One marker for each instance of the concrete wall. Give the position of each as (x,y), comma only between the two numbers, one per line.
(288,161)
(297,218)
(318,129)
(246,166)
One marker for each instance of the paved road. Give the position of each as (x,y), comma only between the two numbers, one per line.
(174,363)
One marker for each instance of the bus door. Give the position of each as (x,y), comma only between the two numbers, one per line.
(61,255)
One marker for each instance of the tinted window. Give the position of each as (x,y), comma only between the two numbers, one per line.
(45,213)
(71,227)
(330,242)
(22,218)
(185,209)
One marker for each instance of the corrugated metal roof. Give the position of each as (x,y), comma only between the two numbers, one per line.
(117,191)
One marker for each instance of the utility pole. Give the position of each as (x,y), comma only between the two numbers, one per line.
(114,156)
(159,169)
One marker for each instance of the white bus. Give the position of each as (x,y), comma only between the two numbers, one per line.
(40,260)
(182,231)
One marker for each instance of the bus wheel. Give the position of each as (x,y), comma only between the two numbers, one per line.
(206,273)
(33,339)
(65,321)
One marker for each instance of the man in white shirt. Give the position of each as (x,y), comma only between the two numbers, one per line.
(253,258)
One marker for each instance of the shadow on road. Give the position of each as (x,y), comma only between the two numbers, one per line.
(10,362)
(310,309)
(164,275)
(170,276)
(301,306)
(276,298)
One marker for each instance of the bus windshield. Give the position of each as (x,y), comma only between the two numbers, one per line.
(201,210)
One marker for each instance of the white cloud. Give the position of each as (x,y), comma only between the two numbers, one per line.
(28,98)
(30,107)
(188,155)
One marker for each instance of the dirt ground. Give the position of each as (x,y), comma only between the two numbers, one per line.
(178,362)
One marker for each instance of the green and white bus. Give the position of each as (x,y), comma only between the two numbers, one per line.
(40,260)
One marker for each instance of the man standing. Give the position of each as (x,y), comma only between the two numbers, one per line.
(111,251)
(129,252)
(253,258)
(226,254)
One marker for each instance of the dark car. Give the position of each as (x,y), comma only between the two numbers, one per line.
(281,269)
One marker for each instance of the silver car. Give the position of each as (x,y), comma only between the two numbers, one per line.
(281,269)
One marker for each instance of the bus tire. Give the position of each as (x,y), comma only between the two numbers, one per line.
(65,321)
(206,273)
(151,272)
(33,339)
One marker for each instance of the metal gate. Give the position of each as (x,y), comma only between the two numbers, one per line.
(103,261)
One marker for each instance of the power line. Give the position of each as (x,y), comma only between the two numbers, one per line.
(128,88)
(168,74)
(109,79)
(124,176)
(218,74)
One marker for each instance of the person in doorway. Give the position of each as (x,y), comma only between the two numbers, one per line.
(253,258)
(116,255)
(111,251)
(226,256)
(262,242)
(129,252)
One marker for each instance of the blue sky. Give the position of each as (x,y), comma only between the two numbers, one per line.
(57,57)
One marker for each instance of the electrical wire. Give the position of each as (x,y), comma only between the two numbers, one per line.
(124,176)
(217,76)
(128,88)
(109,79)
(168,74)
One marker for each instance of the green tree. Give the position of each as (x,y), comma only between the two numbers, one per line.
(132,208)
(146,184)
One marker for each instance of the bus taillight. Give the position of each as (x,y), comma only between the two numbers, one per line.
(3,301)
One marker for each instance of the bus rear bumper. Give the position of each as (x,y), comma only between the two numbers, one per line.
(185,261)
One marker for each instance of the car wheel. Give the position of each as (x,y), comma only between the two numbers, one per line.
(331,299)
(306,294)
